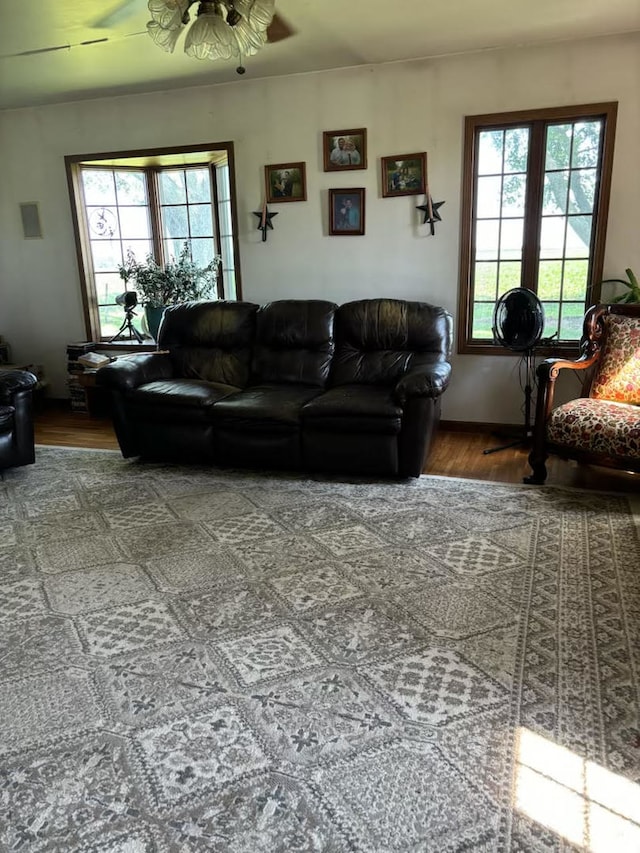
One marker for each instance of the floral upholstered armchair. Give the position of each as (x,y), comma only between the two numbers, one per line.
(603,425)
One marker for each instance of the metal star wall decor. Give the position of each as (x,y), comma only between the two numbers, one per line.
(264,217)
(431,214)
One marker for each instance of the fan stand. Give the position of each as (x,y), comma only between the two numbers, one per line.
(528,357)
(127,326)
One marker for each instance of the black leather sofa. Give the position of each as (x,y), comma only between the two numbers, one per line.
(294,384)
(16,418)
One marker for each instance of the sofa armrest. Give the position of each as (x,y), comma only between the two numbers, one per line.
(13,381)
(130,372)
(428,380)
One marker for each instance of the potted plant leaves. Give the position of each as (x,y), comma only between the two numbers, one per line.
(179,280)
(630,283)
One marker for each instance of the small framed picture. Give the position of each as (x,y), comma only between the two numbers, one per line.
(403,174)
(286,182)
(344,149)
(346,212)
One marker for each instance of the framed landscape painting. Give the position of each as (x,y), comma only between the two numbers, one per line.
(346,212)
(344,149)
(404,174)
(286,182)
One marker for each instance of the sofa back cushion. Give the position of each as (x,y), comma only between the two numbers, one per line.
(618,371)
(378,340)
(210,340)
(294,342)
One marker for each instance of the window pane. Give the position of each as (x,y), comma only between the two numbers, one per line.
(510,276)
(551,318)
(111,317)
(134,222)
(586,144)
(513,193)
(511,238)
(552,236)
(556,189)
(486,280)
(575,280)
(140,248)
(98,186)
(202,251)
(490,152)
(198,185)
(107,254)
(488,199)
(487,239)
(172,187)
(103,222)
(571,320)
(558,146)
(175,223)
(550,279)
(172,249)
(108,286)
(200,220)
(222,179)
(516,149)
(131,188)
(483,320)
(583,191)
(224,218)
(578,236)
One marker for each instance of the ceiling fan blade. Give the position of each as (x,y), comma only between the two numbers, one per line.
(279,29)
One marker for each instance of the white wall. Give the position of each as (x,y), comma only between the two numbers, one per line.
(406,107)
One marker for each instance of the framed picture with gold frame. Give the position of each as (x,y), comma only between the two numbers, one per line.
(346,212)
(344,150)
(285,182)
(404,174)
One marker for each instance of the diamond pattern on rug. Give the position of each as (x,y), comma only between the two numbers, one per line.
(76,554)
(324,585)
(267,654)
(62,798)
(320,716)
(193,756)
(343,541)
(166,538)
(212,505)
(473,556)
(236,608)
(193,570)
(45,706)
(436,686)
(93,589)
(47,528)
(421,526)
(316,516)
(270,813)
(21,598)
(133,626)
(395,570)
(120,494)
(282,553)
(362,631)
(252,525)
(131,517)
(166,681)
(456,611)
(39,643)
(15,563)
(68,503)
(401,799)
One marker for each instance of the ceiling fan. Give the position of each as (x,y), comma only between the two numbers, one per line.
(237,35)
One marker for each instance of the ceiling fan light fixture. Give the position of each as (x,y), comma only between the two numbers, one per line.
(222,29)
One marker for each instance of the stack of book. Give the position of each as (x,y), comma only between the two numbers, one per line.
(75,367)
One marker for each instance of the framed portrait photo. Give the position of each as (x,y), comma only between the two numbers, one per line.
(403,174)
(285,182)
(344,149)
(346,212)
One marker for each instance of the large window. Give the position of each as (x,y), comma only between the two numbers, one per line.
(535,200)
(151,203)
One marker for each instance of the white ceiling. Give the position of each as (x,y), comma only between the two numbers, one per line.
(329,34)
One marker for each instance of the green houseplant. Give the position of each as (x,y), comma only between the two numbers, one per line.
(631,283)
(179,280)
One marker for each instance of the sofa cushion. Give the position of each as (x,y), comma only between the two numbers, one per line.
(264,407)
(177,399)
(597,426)
(354,408)
(618,374)
(212,341)
(379,340)
(294,342)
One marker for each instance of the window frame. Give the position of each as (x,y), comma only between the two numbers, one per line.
(537,120)
(151,161)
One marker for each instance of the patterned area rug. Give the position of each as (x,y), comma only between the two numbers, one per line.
(197,660)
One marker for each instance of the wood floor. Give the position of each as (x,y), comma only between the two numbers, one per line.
(455,454)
